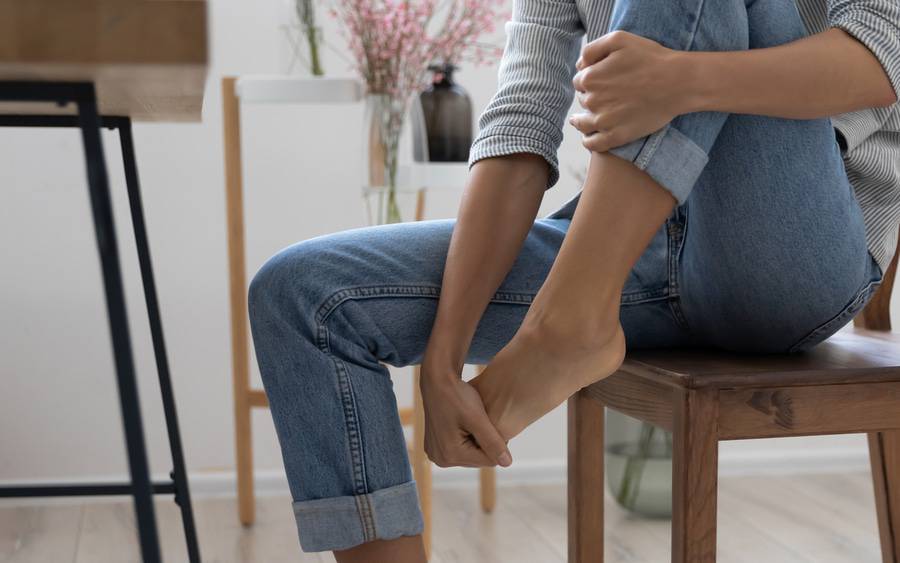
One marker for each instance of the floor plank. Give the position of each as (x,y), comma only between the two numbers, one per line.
(796,519)
(35,534)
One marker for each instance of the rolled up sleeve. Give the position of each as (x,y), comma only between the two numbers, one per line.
(876,24)
(527,113)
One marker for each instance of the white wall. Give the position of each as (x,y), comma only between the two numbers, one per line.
(58,411)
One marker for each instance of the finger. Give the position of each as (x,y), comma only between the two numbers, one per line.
(489,440)
(578,81)
(592,78)
(457,448)
(463,452)
(586,123)
(588,101)
(599,49)
(601,141)
(471,455)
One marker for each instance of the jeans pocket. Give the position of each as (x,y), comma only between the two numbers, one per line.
(828,328)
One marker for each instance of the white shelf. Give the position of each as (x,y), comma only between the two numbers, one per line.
(284,89)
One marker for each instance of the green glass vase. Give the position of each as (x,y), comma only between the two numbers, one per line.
(639,465)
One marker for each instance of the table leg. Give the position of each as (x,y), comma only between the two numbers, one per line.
(240,353)
(104,226)
(179,474)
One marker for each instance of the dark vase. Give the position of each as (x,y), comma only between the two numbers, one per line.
(447,110)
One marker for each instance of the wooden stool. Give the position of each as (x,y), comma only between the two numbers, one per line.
(246,397)
(849,384)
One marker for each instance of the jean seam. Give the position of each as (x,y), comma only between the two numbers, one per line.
(332,302)
(371,292)
(309,505)
(641,151)
(365,504)
(351,424)
(647,152)
(675,230)
(859,301)
(645,296)
(336,299)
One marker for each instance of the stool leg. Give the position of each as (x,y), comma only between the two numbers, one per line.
(695,458)
(421,464)
(488,482)
(104,226)
(884,452)
(179,474)
(237,275)
(585,480)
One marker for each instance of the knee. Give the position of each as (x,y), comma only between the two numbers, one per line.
(282,287)
(266,289)
(686,25)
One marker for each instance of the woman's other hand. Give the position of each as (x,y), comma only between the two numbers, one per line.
(629,86)
(458,431)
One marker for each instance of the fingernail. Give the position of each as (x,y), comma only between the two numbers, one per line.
(505,459)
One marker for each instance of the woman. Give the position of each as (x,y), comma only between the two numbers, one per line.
(742,193)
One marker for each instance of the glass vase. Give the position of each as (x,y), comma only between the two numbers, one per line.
(639,465)
(447,110)
(386,131)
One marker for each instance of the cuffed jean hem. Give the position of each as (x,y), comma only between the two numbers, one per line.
(337,523)
(669,157)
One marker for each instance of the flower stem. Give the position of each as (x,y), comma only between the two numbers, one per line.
(634,468)
(307,14)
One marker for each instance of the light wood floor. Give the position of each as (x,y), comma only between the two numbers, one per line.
(796,519)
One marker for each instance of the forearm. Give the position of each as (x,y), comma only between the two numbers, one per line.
(821,76)
(498,209)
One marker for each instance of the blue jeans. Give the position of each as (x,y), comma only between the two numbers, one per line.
(766,253)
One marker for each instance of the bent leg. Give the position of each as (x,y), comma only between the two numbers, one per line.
(572,335)
(675,155)
(775,252)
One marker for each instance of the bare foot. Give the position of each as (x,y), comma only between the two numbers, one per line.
(539,369)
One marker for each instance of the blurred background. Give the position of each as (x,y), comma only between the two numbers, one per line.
(59,416)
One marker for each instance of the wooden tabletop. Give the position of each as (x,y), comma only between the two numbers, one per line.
(148,58)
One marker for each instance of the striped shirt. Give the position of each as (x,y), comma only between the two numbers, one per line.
(543,42)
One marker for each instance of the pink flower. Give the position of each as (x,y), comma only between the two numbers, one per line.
(394,41)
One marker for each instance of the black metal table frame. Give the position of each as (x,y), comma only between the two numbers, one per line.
(140,487)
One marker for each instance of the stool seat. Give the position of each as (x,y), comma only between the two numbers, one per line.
(850,356)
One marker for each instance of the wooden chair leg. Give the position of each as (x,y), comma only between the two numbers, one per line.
(884,452)
(488,478)
(420,462)
(585,479)
(238,286)
(695,458)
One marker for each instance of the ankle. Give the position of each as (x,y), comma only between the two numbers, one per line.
(573,330)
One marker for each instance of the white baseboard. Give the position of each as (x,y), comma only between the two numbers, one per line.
(553,471)
(842,460)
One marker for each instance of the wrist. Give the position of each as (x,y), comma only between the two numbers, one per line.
(441,363)
(695,81)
